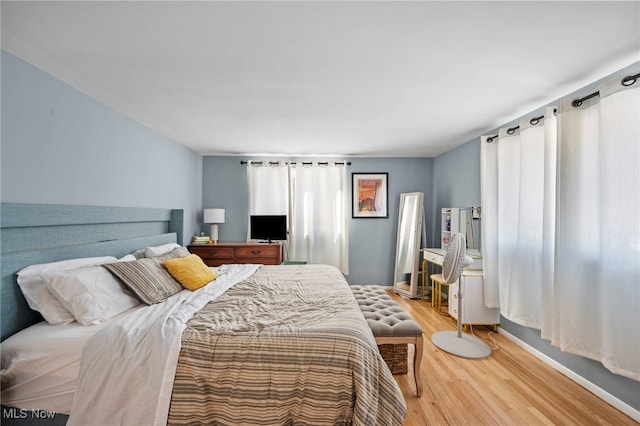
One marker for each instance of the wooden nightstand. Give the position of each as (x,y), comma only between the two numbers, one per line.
(221,253)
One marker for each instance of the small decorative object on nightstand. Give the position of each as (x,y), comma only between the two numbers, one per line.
(214,216)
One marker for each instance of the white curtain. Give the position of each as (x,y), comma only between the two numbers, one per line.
(319,217)
(561,226)
(597,253)
(268,188)
(489,225)
(514,178)
(315,198)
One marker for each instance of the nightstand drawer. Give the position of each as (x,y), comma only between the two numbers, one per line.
(218,261)
(213,252)
(225,253)
(257,251)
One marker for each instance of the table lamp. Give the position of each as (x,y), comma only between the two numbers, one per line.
(214,217)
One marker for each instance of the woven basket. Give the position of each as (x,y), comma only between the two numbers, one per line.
(396,357)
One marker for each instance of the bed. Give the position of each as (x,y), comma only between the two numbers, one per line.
(258,345)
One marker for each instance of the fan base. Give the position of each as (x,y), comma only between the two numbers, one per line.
(464,345)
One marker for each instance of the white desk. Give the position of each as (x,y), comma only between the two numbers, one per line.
(473,308)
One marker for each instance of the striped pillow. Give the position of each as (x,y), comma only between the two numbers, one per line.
(173,254)
(146,278)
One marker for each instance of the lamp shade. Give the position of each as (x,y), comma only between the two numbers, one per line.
(213,215)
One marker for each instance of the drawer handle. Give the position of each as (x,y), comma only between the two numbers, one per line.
(255,251)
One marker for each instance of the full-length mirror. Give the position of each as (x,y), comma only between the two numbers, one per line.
(405,279)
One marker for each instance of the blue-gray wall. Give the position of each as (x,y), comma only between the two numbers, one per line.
(372,242)
(456,180)
(60,146)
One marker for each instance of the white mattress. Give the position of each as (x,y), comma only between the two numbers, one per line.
(40,364)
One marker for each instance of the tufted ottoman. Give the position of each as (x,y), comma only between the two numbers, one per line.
(390,324)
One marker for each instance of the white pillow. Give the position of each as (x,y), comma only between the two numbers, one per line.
(138,254)
(160,250)
(92,294)
(39,297)
(127,258)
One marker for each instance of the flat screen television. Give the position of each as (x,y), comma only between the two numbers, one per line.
(268,227)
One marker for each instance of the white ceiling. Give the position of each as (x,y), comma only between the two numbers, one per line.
(364,78)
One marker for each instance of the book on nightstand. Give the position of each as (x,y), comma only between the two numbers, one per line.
(200,239)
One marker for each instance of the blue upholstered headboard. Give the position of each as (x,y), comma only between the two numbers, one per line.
(40,233)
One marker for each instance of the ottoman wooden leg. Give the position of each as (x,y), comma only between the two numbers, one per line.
(417,360)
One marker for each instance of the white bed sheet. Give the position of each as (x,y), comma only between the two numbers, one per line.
(40,364)
(130,366)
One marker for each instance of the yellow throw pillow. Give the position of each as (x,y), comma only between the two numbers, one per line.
(190,271)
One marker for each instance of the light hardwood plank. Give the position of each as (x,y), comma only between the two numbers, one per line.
(511,387)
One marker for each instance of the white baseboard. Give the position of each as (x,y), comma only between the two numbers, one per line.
(598,391)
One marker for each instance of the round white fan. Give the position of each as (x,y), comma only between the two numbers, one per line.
(457,343)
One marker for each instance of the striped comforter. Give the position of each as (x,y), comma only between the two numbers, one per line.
(287,346)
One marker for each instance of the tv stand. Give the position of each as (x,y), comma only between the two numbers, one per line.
(226,253)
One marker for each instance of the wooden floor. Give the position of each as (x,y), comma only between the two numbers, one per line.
(511,387)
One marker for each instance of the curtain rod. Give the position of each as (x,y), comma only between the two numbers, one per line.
(627,81)
(512,130)
(305,163)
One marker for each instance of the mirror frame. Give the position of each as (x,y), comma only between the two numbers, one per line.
(402,287)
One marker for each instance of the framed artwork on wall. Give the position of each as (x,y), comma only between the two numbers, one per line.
(369,192)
